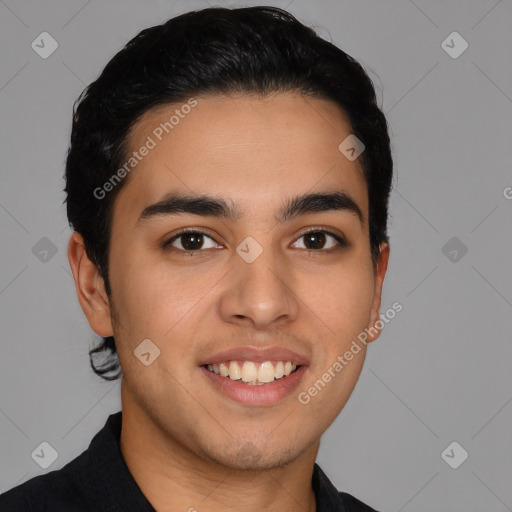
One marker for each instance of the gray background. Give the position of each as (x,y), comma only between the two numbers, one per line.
(440,371)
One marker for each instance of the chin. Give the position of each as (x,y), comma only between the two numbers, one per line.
(248,457)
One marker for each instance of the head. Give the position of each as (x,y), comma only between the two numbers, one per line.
(222,120)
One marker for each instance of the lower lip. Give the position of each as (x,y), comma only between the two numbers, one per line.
(265,394)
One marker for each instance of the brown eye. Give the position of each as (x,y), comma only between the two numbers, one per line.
(316,240)
(189,241)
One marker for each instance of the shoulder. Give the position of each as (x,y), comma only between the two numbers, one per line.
(51,492)
(352,504)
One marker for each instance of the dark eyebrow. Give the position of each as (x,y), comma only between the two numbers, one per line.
(316,203)
(176,203)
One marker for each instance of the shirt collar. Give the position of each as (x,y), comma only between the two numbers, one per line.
(327,496)
(107,482)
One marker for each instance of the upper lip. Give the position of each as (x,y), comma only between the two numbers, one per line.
(256,355)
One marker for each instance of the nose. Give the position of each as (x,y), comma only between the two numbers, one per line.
(259,294)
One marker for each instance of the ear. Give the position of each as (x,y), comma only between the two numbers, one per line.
(380,273)
(90,287)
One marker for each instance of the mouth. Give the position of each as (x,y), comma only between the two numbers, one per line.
(253,373)
(255,377)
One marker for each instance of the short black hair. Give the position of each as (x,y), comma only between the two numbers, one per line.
(214,51)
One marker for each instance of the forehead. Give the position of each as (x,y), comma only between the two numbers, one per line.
(249,149)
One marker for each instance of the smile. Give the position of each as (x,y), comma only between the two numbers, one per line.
(253,373)
(254,376)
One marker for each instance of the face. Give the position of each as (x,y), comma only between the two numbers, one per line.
(255,279)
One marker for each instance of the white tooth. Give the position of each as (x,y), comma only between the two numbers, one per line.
(294,367)
(210,367)
(288,368)
(216,368)
(224,370)
(279,372)
(266,372)
(234,371)
(249,372)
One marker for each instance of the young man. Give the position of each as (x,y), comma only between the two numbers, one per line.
(228,181)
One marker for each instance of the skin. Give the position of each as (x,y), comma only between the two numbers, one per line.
(186,444)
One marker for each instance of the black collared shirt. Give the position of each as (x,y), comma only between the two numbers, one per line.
(99,480)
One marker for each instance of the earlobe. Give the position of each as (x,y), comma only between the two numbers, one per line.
(380,273)
(90,287)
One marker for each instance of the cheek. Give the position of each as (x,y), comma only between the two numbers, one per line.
(341,300)
(158,302)
(328,391)
(136,296)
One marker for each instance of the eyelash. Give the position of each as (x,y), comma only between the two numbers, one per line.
(341,241)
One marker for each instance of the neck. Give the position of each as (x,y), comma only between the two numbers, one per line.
(172,477)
